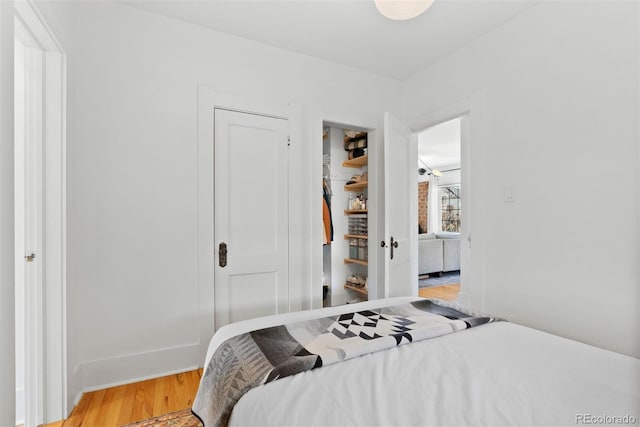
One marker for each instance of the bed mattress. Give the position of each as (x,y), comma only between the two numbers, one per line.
(494,374)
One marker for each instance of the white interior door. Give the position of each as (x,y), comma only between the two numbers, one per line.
(401,207)
(250,216)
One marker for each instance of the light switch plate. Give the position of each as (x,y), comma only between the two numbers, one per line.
(509,194)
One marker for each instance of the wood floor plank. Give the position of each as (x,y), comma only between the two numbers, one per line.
(192,383)
(110,407)
(79,412)
(446,292)
(169,394)
(159,400)
(143,401)
(126,407)
(91,417)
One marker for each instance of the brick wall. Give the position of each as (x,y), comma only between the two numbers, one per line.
(423,200)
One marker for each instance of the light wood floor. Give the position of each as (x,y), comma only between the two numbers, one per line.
(446,292)
(125,404)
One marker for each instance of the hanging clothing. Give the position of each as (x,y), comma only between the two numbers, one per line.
(326,214)
(326,219)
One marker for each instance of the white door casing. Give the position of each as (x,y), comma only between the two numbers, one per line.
(466,212)
(251,215)
(401,210)
(208,101)
(472,262)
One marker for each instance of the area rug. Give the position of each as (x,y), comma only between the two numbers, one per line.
(182,418)
(449,278)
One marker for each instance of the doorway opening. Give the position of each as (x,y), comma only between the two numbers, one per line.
(440,209)
(40,243)
(347,269)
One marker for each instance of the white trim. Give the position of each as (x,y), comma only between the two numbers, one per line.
(208,100)
(20,405)
(55,238)
(41,33)
(52,378)
(115,371)
(315,208)
(472,152)
(296,192)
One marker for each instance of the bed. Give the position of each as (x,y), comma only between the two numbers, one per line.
(461,368)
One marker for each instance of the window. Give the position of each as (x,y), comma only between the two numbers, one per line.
(450,207)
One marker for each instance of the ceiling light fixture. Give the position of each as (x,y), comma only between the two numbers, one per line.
(402,9)
(422,171)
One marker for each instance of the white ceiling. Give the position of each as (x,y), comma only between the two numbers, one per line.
(349,32)
(439,146)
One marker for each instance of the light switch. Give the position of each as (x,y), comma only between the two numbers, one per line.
(509,194)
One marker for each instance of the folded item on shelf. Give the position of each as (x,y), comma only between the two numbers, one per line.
(358,152)
(354,179)
(358,143)
(353,134)
(358,178)
(357,281)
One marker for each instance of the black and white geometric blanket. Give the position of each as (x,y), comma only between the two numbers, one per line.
(258,357)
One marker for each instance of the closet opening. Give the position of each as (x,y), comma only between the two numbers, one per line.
(348,209)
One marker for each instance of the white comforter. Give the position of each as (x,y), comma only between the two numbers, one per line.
(494,374)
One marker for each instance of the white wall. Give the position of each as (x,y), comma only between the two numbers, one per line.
(133,273)
(559,122)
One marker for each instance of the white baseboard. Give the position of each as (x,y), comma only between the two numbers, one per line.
(120,370)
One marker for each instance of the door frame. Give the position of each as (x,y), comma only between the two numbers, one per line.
(47,389)
(208,101)
(471,110)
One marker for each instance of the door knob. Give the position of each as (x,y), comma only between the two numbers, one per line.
(29,257)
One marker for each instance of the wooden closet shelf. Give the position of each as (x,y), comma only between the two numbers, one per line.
(355,236)
(358,186)
(355,261)
(358,162)
(354,211)
(362,291)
